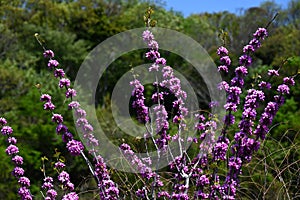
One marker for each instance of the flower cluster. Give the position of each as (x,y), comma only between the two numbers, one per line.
(272,107)
(234,89)
(173,86)
(243,146)
(64,179)
(224,58)
(170,81)
(207,129)
(12,150)
(139,101)
(48,105)
(108,189)
(48,185)
(162,126)
(142,168)
(76,147)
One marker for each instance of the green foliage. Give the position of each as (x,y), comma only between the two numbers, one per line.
(287,118)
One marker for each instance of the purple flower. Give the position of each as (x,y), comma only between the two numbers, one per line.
(163,194)
(226,60)
(230,107)
(52,64)
(110,189)
(233,95)
(59,73)
(266,119)
(70,196)
(161,61)
(222,51)
(255,43)
(52,194)
(223,86)
(200,117)
(59,165)
(229,119)
(18,160)
(60,129)
(167,72)
(245,60)
(48,179)
(288,81)
(75,147)
(161,118)
(283,89)
(157,97)
(153,55)
(48,54)
(80,113)
(57,118)
(24,181)
(248,48)
(154,67)
(47,185)
(11,149)
(202,180)
(220,149)
(140,193)
(12,140)
(70,186)
(138,102)
(87,128)
(246,123)
(136,162)
(64,82)
(181,196)
(147,36)
(6,130)
(251,100)
(241,71)
(237,81)
(273,72)
(261,33)
(81,121)
(64,177)
(125,147)
(153,45)
(2,121)
(162,125)
(264,84)
(24,193)
(202,195)
(92,141)
(238,136)
(67,136)
(49,106)
(223,68)
(45,97)
(235,163)
(235,90)
(73,104)
(18,171)
(70,93)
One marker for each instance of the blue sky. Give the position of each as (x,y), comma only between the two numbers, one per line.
(188,7)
